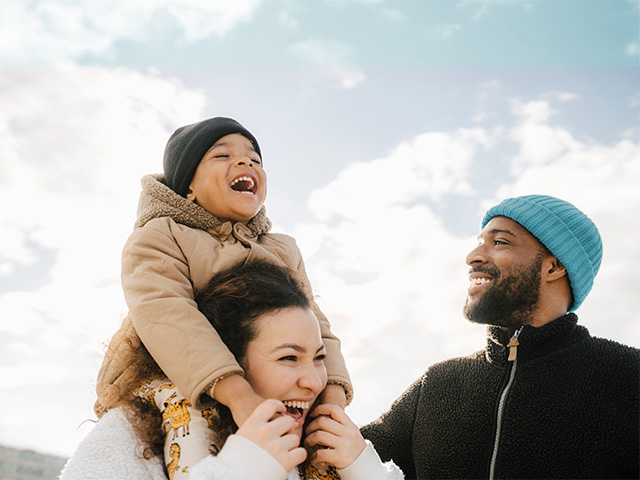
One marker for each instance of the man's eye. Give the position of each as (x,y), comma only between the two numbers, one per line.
(221,155)
(256,160)
(500,242)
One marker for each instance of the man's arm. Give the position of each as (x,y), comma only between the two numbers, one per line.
(392,433)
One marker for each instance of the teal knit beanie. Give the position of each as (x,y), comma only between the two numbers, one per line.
(564,230)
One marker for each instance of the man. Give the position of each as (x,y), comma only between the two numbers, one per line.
(544,399)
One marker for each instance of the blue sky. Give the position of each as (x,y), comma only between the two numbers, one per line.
(381,123)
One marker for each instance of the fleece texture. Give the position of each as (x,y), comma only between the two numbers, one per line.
(571,411)
(173,253)
(111,451)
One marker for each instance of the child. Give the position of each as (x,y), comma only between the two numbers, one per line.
(205,215)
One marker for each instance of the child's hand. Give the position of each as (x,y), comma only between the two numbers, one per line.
(333,429)
(334,394)
(267,428)
(244,406)
(236,393)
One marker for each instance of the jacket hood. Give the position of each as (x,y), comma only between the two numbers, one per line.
(158,200)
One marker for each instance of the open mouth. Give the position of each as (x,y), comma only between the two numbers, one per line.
(244,184)
(479,281)
(296,409)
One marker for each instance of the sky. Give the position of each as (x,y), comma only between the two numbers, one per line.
(387,129)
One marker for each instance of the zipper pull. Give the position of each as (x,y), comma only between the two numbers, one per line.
(513,345)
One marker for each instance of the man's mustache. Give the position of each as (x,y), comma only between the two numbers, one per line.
(488,269)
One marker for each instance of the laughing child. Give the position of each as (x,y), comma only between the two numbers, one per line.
(205,214)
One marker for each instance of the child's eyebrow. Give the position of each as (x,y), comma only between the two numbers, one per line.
(225,144)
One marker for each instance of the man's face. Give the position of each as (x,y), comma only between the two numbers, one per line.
(504,278)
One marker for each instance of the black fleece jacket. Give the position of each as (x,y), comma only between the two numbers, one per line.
(571,410)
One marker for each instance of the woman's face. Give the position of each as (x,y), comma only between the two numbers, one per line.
(285,360)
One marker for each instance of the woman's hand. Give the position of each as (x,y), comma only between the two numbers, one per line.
(333,429)
(267,428)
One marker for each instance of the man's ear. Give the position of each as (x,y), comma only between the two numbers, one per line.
(553,269)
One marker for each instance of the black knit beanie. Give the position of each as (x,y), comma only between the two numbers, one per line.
(188,144)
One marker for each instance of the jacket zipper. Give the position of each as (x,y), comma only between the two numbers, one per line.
(513,354)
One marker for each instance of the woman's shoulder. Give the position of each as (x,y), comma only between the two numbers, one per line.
(111,451)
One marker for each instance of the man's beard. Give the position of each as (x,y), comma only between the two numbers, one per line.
(510,302)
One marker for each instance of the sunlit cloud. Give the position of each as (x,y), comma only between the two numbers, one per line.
(331,59)
(55,30)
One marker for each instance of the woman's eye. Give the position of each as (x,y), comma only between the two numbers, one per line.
(221,155)
(500,242)
(256,160)
(289,358)
(320,357)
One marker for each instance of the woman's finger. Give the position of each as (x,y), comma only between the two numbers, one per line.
(296,456)
(330,410)
(326,456)
(325,423)
(322,438)
(289,441)
(268,409)
(280,425)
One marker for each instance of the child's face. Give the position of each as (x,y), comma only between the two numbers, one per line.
(230,181)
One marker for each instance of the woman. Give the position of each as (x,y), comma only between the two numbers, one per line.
(265,319)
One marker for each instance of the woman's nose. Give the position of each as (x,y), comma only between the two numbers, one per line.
(313,379)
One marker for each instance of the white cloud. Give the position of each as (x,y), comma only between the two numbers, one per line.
(539,142)
(633,49)
(287,20)
(391,275)
(332,59)
(428,166)
(447,31)
(481,8)
(57,29)
(76,141)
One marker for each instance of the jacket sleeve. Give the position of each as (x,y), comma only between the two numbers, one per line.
(160,296)
(368,466)
(392,433)
(239,459)
(334,361)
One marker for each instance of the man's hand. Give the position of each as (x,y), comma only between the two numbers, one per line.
(236,393)
(267,427)
(332,429)
(335,395)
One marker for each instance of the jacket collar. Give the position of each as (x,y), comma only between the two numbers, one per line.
(158,200)
(534,342)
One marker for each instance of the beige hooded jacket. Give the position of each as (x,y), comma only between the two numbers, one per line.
(174,251)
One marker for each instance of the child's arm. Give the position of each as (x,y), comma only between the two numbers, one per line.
(339,390)
(160,295)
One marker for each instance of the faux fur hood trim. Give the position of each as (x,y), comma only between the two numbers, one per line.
(158,200)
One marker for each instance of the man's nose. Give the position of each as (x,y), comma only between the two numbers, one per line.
(477,255)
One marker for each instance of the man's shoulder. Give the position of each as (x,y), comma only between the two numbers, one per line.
(455,366)
(613,352)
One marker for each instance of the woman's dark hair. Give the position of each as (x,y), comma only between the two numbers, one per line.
(231,301)
(236,297)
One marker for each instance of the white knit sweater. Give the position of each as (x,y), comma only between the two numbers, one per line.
(111,451)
